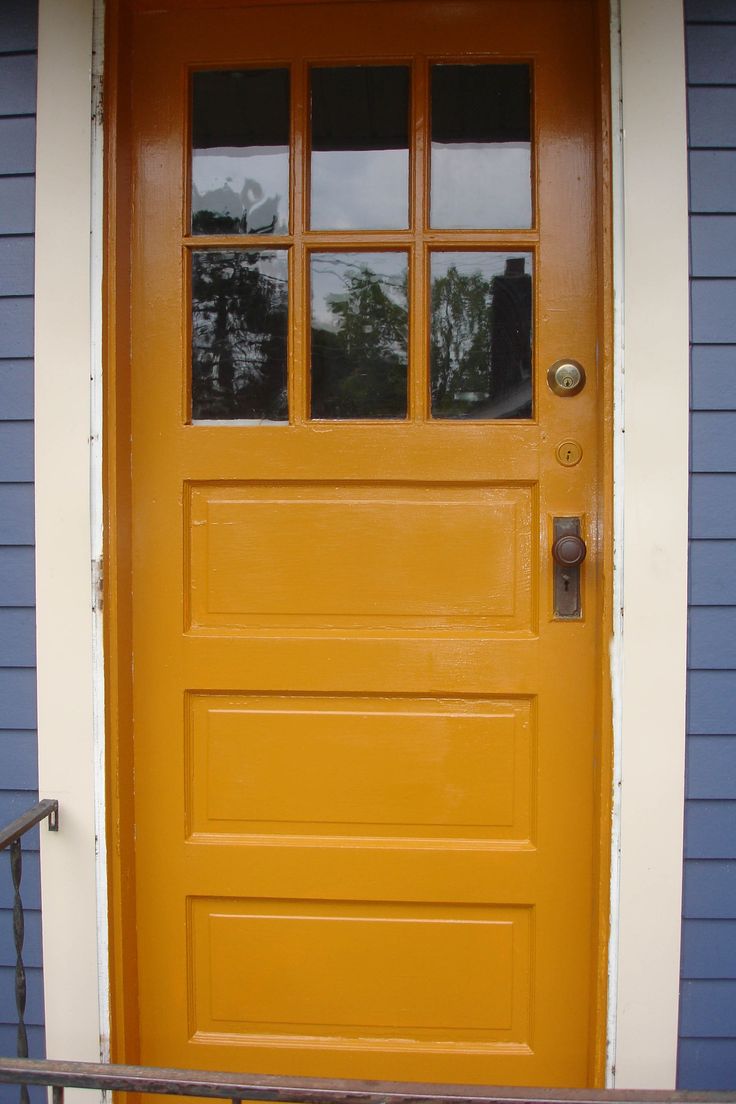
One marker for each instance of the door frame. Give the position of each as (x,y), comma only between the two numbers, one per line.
(648,191)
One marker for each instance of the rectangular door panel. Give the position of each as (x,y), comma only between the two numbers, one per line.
(271,968)
(360,556)
(315,765)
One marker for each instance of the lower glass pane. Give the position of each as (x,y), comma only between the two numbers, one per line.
(359,335)
(239,335)
(481,335)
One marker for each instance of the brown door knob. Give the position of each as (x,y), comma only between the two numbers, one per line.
(569,550)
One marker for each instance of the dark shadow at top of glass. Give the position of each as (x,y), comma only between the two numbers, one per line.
(240,107)
(360,107)
(481,103)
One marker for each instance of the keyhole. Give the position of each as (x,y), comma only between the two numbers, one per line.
(566,582)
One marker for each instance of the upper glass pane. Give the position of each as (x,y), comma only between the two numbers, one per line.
(481,147)
(481,335)
(239,335)
(359,335)
(240,152)
(360,148)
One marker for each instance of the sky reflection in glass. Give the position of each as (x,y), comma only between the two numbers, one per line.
(360,148)
(240,152)
(481,147)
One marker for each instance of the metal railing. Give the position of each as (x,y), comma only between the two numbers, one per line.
(293,1090)
(11,838)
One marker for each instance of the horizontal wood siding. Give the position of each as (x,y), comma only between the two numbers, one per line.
(707,1056)
(18,756)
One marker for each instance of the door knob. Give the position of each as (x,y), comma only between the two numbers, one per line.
(569,550)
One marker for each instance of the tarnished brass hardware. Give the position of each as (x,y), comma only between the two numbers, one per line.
(568,553)
(566,377)
(569,550)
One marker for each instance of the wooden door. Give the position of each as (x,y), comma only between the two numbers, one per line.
(365,749)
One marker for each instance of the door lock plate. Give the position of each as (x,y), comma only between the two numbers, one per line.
(568,553)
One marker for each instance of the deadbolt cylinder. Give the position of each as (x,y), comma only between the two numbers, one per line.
(566,377)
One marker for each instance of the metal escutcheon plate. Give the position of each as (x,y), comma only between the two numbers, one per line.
(566,377)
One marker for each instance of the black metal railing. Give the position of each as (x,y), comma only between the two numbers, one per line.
(293,1090)
(11,838)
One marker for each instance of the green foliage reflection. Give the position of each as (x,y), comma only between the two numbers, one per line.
(359,337)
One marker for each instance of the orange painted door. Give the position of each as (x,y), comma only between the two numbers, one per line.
(365,748)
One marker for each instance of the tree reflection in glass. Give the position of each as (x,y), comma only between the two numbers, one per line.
(481,335)
(240,151)
(359,335)
(239,335)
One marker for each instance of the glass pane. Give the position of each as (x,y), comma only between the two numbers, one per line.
(481,335)
(360,148)
(481,146)
(359,335)
(240,152)
(239,335)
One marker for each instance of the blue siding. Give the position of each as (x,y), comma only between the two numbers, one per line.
(16,265)
(713,441)
(16,389)
(16,513)
(711,767)
(712,568)
(713,507)
(710,11)
(714,375)
(17,204)
(707,1056)
(712,180)
(712,114)
(713,239)
(711,54)
(712,643)
(709,948)
(714,306)
(18,753)
(709,890)
(17,146)
(708,1063)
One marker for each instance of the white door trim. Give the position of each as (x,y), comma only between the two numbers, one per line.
(651,537)
(654,491)
(68,527)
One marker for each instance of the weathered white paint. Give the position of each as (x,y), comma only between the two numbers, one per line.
(655,497)
(69,878)
(96,518)
(617,192)
(651,528)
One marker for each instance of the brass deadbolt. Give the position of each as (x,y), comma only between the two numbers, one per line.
(566,377)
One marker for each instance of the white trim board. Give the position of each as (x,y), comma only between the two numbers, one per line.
(655,529)
(651,540)
(64,538)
